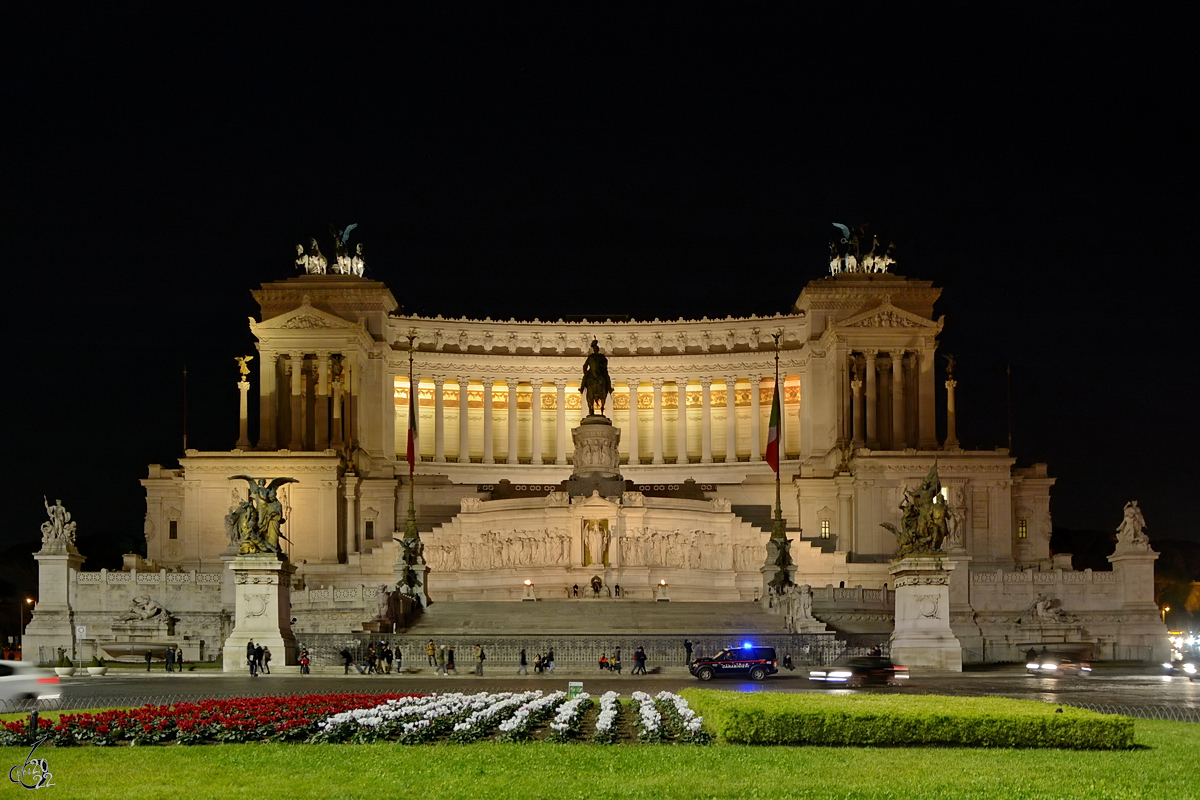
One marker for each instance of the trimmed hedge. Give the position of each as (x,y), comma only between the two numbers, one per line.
(904,720)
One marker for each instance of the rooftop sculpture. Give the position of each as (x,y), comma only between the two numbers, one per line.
(847,255)
(58,535)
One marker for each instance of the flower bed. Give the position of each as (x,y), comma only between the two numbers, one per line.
(241,719)
(359,718)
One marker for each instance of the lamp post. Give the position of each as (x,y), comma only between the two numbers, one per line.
(1165,609)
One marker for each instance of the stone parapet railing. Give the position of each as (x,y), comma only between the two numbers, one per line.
(120,577)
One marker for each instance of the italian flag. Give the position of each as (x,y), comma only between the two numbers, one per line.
(773,432)
(412,425)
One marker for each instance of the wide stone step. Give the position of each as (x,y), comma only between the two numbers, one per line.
(590,616)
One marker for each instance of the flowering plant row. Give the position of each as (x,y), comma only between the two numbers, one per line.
(241,719)
(356,718)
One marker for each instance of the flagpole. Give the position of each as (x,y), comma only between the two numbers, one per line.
(410,525)
(777,529)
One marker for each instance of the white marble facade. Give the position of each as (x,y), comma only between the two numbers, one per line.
(497,401)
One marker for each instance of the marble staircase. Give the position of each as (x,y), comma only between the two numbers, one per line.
(595,616)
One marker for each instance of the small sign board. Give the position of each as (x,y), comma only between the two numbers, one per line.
(81,631)
(574,689)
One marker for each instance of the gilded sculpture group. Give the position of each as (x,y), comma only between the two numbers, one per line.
(257,521)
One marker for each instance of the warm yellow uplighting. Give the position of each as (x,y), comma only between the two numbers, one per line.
(529,583)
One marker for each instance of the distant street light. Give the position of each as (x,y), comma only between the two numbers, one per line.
(1165,609)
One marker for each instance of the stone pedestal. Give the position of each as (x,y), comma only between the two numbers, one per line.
(1142,627)
(52,622)
(262,611)
(596,466)
(922,637)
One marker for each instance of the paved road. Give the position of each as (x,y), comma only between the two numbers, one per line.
(1123,687)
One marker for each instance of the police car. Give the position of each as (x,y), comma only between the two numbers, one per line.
(756,662)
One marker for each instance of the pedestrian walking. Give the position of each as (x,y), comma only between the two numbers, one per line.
(304,661)
(149,658)
(429,651)
(479,658)
(348,659)
(249,659)
(266,664)
(523,666)
(615,663)
(441,661)
(687,649)
(550,660)
(258,658)
(450,661)
(169,660)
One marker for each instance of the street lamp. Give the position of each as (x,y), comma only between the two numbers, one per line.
(1165,609)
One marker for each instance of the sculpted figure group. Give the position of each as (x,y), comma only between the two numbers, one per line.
(258,519)
(59,532)
(922,519)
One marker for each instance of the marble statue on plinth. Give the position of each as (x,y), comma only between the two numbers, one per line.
(922,519)
(144,607)
(58,535)
(313,262)
(1131,533)
(259,518)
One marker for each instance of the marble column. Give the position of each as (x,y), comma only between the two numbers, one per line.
(350,410)
(489,456)
(872,397)
(681,449)
(267,400)
(951,432)
(730,419)
(321,429)
(439,420)
(706,420)
(464,421)
(243,442)
(856,404)
(898,430)
(536,421)
(336,424)
(296,364)
(632,436)
(806,428)
(512,421)
(657,383)
(560,429)
(926,413)
(755,418)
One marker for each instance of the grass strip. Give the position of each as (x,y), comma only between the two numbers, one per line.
(1164,766)
(904,721)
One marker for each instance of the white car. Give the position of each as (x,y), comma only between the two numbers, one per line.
(20,682)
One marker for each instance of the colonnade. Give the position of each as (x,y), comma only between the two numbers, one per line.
(306,401)
(540,401)
(888,399)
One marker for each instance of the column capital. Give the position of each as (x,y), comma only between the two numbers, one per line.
(871,355)
(731,380)
(856,384)
(706,381)
(324,355)
(488,383)
(681,381)
(897,353)
(950,384)
(439,380)
(463,380)
(755,377)
(560,384)
(657,383)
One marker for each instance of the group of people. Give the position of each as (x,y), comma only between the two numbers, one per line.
(258,658)
(543,662)
(173,659)
(379,659)
(441,658)
(613,663)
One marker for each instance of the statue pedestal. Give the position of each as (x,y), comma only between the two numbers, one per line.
(922,637)
(596,466)
(262,611)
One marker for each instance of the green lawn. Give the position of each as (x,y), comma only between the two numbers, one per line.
(1165,766)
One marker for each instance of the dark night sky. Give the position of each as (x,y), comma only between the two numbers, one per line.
(159,165)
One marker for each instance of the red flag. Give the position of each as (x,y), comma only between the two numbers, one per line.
(412,426)
(773,432)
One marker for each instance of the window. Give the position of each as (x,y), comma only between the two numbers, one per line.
(173,529)
(1022,529)
(824,529)
(369,530)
